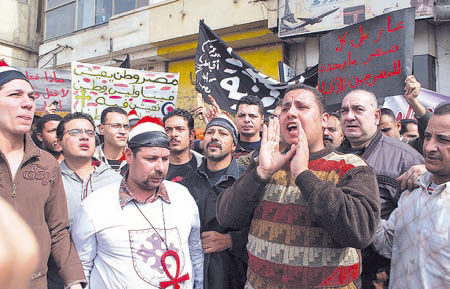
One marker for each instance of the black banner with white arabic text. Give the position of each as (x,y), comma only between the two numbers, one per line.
(222,73)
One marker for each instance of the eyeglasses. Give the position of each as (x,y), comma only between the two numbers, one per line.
(119,126)
(77,131)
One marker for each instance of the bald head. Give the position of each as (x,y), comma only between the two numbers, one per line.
(369,97)
(360,117)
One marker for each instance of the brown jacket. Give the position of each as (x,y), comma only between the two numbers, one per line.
(37,193)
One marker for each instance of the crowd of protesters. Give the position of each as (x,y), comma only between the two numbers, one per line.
(302,199)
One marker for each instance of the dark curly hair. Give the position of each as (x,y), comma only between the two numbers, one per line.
(71,116)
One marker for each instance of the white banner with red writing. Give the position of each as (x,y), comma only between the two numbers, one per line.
(49,85)
(96,87)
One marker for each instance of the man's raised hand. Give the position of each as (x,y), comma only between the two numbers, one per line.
(270,157)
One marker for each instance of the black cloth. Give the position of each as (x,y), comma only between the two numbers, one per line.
(176,173)
(244,148)
(54,281)
(226,269)
(149,139)
(114,164)
(226,124)
(11,74)
(251,146)
(214,177)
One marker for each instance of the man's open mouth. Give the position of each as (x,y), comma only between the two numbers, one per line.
(292,126)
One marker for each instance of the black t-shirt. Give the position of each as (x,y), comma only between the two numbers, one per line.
(176,173)
(250,146)
(215,176)
(114,164)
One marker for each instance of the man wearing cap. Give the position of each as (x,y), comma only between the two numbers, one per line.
(224,248)
(30,180)
(144,231)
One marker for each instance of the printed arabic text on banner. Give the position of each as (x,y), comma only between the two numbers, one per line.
(49,85)
(222,73)
(374,55)
(96,87)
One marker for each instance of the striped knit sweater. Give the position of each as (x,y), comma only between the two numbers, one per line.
(304,231)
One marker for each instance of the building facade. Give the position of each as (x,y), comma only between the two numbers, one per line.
(161,35)
(21,31)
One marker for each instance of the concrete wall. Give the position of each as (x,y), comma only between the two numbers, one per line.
(443,58)
(19,41)
(141,31)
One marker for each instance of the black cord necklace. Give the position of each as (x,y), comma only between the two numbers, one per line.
(164,240)
(173,280)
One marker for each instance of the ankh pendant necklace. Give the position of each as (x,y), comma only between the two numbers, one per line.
(172,280)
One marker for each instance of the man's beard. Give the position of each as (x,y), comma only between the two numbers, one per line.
(248,134)
(49,148)
(178,151)
(215,158)
(147,186)
(328,138)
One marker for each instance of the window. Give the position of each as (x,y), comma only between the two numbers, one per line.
(54,3)
(103,11)
(123,5)
(85,17)
(142,3)
(60,20)
(60,14)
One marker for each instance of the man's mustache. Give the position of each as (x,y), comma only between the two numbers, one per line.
(215,143)
(326,137)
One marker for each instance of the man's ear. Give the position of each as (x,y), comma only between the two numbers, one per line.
(399,126)
(39,136)
(192,136)
(377,116)
(325,118)
(128,155)
(101,129)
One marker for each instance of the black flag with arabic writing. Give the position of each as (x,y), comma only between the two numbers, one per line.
(222,73)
